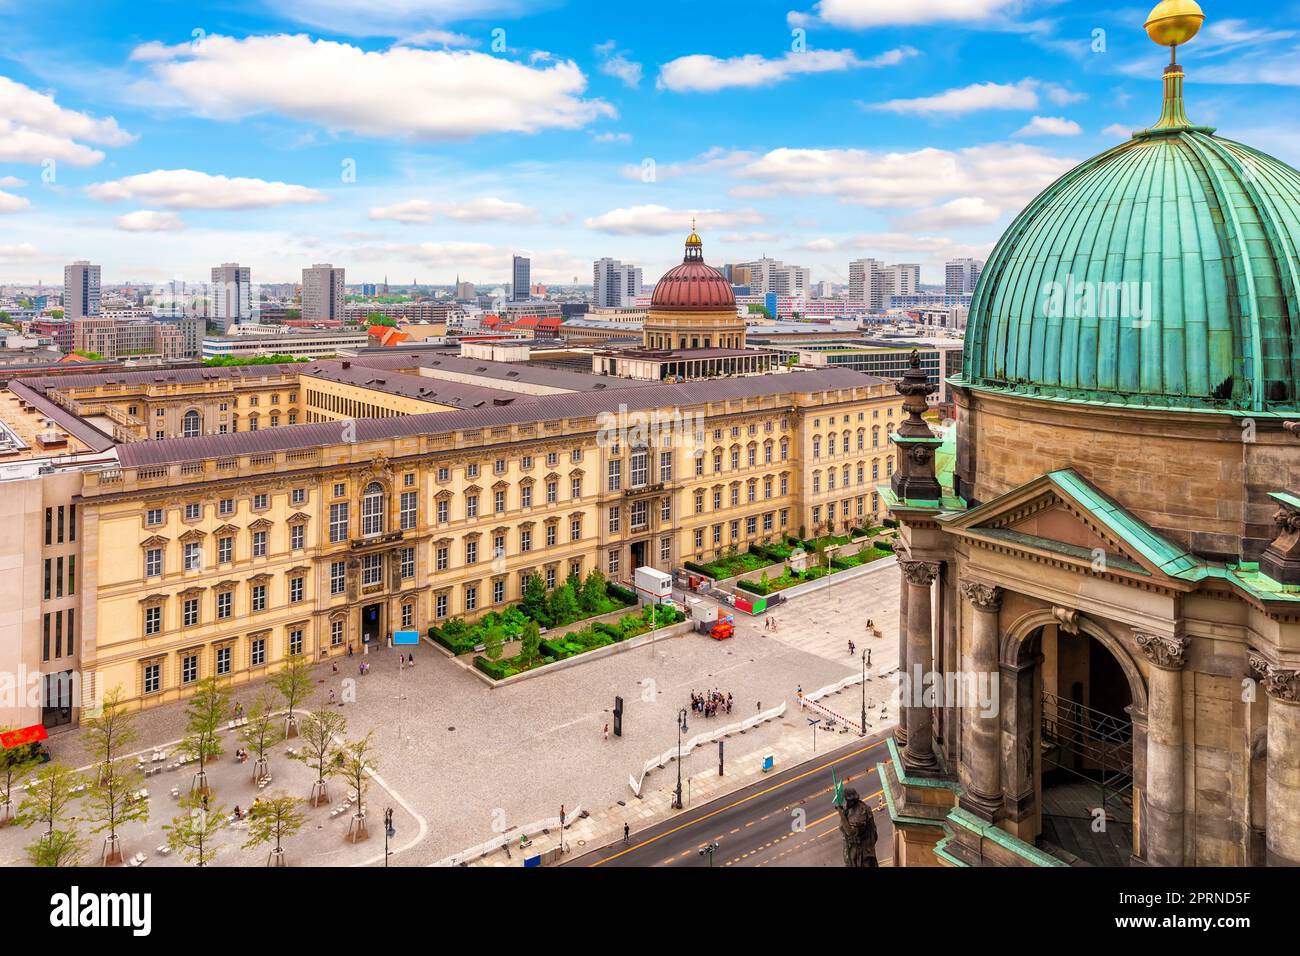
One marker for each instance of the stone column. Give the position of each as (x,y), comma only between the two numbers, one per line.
(982,749)
(900,734)
(919,757)
(1165,759)
(1282,833)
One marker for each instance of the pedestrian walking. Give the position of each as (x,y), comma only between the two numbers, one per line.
(607,731)
(868,657)
(627,833)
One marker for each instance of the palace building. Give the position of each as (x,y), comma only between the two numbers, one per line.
(1101,596)
(166,526)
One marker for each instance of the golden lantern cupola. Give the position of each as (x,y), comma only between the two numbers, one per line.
(1172,23)
(694,246)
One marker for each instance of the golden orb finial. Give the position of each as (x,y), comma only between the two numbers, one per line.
(1174,22)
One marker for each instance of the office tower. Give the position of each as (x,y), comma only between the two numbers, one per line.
(80,290)
(521,279)
(232,294)
(614,284)
(960,275)
(322,293)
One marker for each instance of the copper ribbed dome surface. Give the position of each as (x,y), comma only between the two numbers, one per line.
(693,286)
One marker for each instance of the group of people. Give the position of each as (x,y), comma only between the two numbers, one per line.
(769,623)
(241,755)
(711,703)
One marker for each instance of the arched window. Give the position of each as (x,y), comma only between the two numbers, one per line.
(372,510)
(191,424)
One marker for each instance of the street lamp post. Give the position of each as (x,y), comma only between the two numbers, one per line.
(681,726)
(389,832)
(708,850)
(863,731)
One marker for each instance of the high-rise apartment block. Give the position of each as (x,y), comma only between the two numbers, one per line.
(322,293)
(80,290)
(521,279)
(232,294)
(960,275)
(614,284)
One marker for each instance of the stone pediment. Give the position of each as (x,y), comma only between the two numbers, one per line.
(1063,517)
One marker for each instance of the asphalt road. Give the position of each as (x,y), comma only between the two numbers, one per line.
(783,820)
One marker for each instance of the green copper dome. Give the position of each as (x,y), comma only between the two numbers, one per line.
(1163,272)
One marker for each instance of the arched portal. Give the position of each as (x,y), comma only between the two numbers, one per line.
(1074,737)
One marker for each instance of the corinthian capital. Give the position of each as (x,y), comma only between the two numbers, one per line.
(1280,683)
(919,573)
(984,597)
(1167,652)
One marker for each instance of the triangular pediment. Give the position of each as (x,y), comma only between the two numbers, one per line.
(1063,516)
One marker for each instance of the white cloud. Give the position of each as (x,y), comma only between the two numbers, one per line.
(714,159)
(1118,131)
(11,203)
(12,182)
(655,220)
(970,99)
(616,63)
(483,209)
(702,73)
(958,213)
(18,252)
(438,38)
(1005,174)
(859,14)
(149,220)
(820,245)
(749,237)
(1050,126)
(190,189)
(612,137)
(401,92)
(34,129)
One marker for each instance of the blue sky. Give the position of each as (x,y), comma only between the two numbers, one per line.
(429,138)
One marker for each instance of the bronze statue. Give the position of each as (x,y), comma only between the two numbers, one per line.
(858,826)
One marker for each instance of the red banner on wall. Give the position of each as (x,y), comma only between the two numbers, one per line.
(27,735)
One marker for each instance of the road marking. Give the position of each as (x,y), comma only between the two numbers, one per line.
(752,796)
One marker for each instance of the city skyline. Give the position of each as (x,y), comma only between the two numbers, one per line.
(906,142)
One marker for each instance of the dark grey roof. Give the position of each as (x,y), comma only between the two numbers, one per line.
(541,408)
(503,371)
(423,387)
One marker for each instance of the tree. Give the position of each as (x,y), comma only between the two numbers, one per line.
(15,764)
(494,641)
(274,819)
(193,833)
(530,642)
(48,797)
(378,318)
(109,733)
(564,605)
(535,603)
(57,848)
(112,798)
(593,593)
(205,710)
(261,733)
(354,768)
(293,683)
(319,750)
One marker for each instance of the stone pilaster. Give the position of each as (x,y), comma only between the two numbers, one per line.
(919,756)
(900,734)
(1165,760)
(982,750)
(1282,822)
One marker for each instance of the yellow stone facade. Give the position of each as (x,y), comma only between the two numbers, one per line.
(223,564)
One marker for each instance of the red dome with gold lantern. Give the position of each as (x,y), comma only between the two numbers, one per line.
(693,286)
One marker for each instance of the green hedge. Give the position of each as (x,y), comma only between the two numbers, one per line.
(600,634)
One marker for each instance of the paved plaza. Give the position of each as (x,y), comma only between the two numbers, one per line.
(460,762)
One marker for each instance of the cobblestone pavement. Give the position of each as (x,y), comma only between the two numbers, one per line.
(461,761)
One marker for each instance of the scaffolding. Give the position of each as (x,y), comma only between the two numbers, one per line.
(1093,746)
